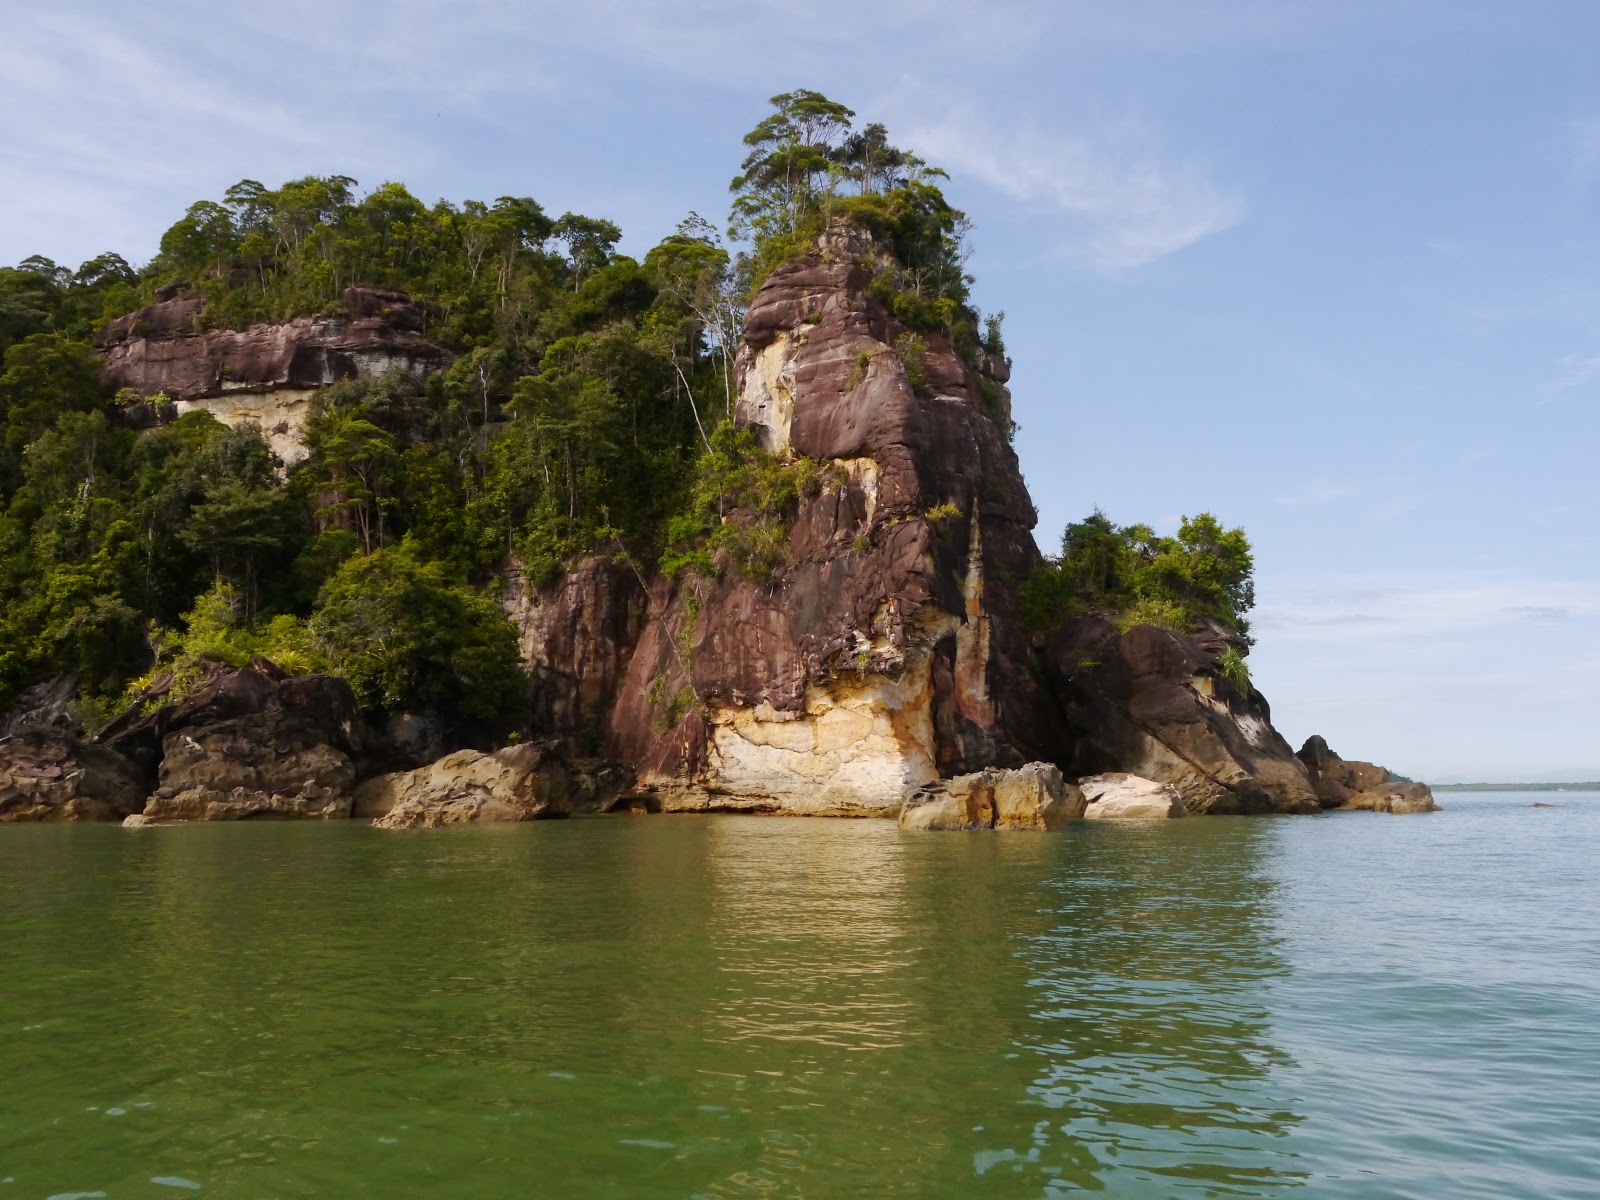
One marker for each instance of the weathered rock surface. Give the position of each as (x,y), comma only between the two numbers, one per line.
(1155,704)
(266,373)
(576,637)
(49,774)
(247,743)
(520,783)
(885,651)
(1120,796)
(1033,796)
(47,702)
(1395,798)
(1338,781)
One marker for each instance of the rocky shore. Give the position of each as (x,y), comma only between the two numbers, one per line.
(880,668)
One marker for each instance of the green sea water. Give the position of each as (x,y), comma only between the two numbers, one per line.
(1351,1005)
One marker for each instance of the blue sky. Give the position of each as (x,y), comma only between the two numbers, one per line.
(1329,270)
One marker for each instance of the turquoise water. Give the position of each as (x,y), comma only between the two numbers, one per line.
(1350,1005)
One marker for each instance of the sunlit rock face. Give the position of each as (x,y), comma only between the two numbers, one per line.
(885,651)
(265,374)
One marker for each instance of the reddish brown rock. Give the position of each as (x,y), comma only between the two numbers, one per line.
(576,636)
(885,650)
(1338,781)
(159,348)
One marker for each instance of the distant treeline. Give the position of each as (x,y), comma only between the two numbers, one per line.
(1517,787)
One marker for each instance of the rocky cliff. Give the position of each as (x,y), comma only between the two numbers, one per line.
(885,650)
(265,373)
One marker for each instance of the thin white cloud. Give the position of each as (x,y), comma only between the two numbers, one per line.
(1422,609)
(1121,201)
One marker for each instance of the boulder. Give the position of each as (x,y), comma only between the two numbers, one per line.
(249,742)
(1119,796)
(49,774)
(1033,796)
(520,783)
(1157,704)
(1338,781)
(1395,798)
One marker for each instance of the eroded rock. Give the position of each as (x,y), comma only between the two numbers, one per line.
(884,651)
(1120,796)
(265,374)
(1339,781)
(47,773)
(520,783)
(247,743)
(1155,704)
(1395,798)
(1033,796)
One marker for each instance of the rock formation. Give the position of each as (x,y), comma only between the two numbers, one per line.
(246,743)
(521,783)
(885,652)
(1156,704)
(1035,796)
(1352,784)
(47,773)
(1117,795)
(266,373)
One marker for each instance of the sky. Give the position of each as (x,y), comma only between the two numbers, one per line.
(1329,270)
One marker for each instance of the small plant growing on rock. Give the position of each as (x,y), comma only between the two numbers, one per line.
(942,516)
(913,354)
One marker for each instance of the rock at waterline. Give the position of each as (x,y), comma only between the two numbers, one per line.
(49,774)
(520,783)
(1035,796)
(1119,796)
(1396,798)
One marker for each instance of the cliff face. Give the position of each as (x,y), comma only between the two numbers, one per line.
(885,652)
(266,373)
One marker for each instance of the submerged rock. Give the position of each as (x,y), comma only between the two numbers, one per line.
(520,783)
(1395,798)
(47,773)
(1120,796)
(1034,796)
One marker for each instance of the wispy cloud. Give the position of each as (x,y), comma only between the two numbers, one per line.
(1424,607)
(1122,201)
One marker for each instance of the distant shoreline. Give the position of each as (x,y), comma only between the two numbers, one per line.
(1517,787)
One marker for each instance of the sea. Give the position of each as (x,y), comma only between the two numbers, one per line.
(1351,1005)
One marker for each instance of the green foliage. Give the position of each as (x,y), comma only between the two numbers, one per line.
(588,409)
(406,634)
(1204,573)
(741,503)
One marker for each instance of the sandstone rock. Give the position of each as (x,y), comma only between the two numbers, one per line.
(885,651)
(247,743)
(520,783)
(1153,703)
(1034,796)
(576,636)
(1120,796)
(1339,781)
(47,702)
(1395,798)
(140,821)
(265,373)
(49,774)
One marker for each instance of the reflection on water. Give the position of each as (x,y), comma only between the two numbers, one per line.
(743,1007)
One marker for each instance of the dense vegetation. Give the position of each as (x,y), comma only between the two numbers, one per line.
(587,409)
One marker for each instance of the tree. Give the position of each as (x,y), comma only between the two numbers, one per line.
(791,158)
(589,241)
(406,635)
